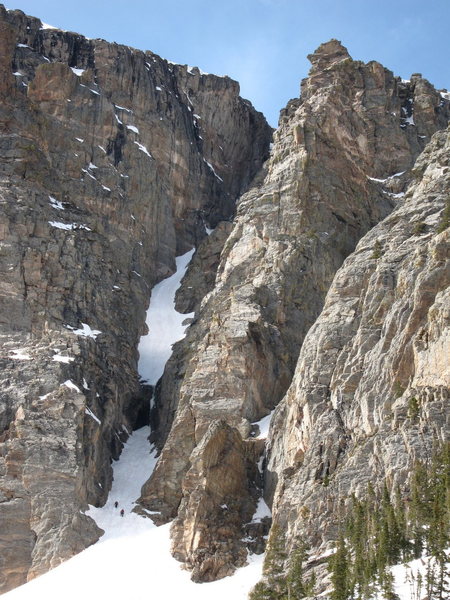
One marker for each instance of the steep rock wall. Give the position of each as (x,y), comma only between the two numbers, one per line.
(319,192)
(371,389)
(112,161)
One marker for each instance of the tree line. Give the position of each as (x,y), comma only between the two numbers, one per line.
(385,528)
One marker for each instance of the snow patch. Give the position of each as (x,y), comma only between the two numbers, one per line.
(68,226)
(78,72)
(212,168)
(164,322)
(132,551)
(85,330)
(89,174)
(387,178)
(55,203)
(133,128)
(20,355)
(263,425)
(89,412)
(191,70)
(262,510)
(406,578)
(376,179)
(69,384)
(143,149)
(90,89)
(128,110)
(63,359)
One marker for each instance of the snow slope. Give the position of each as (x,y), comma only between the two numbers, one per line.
(165,324)
(410,579)
(132,559)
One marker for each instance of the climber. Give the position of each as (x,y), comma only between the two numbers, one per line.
(122,512)
(116,504)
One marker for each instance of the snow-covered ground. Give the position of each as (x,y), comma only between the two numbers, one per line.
(164,322)
(132,559)
(410,579)
(264,425)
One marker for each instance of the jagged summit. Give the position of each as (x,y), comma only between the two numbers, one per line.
(327,54)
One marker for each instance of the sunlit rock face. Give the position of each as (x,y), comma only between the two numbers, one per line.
(112,162)
(340,162)
(371,389)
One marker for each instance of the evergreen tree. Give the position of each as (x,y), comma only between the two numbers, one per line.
(340,572)
(274,585)
(380,532)
(261,591)
(297,585)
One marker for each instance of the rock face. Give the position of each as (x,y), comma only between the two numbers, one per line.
(112,162)
(371,389)
(336,169)
(222,482)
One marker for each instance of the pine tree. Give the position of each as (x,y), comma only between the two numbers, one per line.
(340,571)
(261,591)
(297,586)
(274,562)
(386,580)
(378,531)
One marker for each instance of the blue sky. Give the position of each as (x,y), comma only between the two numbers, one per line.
(264,43)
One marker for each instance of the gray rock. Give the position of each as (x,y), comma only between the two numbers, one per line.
(381,340)
(105,176)
(333,173)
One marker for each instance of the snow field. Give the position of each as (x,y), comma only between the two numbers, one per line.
(132,560)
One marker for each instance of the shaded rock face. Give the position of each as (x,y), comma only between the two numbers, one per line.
(112,161)
(336,169)
(222,484)
(379,348)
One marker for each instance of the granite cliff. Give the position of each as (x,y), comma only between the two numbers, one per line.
(371,389)
(320,292)
(341,158)
(113,161)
